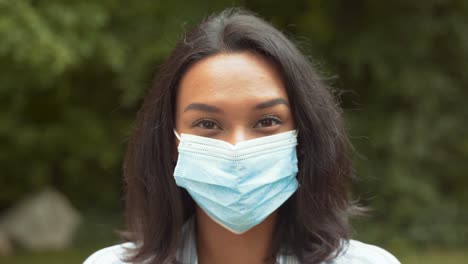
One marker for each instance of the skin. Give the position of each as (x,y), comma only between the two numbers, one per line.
(232,97)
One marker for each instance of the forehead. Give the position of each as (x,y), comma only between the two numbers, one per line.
(231,78)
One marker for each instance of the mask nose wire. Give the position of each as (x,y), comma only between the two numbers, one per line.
(176,134)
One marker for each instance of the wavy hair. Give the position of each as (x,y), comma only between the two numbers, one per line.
(313,223)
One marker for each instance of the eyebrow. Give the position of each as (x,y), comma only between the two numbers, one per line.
(272,103)
(203,107)
(213,109)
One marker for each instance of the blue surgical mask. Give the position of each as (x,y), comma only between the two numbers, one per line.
(238,186)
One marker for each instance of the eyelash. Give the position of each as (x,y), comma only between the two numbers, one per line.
(212,123)
(270,118)
(198,122)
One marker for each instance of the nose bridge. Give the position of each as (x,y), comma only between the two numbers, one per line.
(238,134)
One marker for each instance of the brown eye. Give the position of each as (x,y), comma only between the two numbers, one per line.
(268,122)
(207,124)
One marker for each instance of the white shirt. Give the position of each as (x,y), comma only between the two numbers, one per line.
(356,252)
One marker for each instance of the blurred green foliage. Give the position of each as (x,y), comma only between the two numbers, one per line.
(74,72)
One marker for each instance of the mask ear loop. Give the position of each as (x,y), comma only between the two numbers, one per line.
(174,159)
(177,135)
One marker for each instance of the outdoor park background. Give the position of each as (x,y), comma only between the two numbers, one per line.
(73,74)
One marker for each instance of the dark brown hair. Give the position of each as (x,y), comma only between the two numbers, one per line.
(313,223)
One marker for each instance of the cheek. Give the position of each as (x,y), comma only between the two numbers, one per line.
(292,125)
(292,121)
(178,115)
(177,124)
(289,123)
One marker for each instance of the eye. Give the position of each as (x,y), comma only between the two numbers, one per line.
(206,124)
(268,122)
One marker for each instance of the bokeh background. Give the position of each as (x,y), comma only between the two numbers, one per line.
(73,74)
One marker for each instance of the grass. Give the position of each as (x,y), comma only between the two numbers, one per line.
(95,232)
(436,257)
(50,257)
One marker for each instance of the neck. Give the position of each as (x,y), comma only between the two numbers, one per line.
(215,244)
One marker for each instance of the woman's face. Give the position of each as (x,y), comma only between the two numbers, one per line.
(232,97)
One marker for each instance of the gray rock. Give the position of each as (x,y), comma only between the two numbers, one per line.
(43,221)
(5,245)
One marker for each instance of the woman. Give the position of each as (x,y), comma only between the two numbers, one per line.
(239,155)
